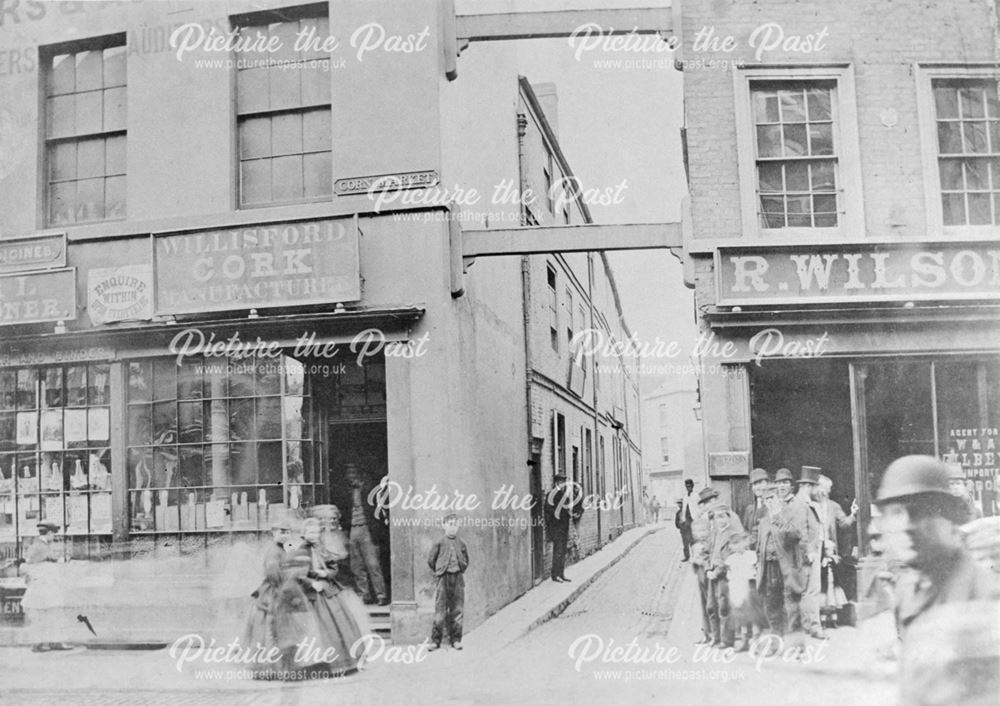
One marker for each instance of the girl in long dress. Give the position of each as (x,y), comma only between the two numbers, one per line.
(260,635)
(315,628)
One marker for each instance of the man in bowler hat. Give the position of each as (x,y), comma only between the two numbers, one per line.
(771,560)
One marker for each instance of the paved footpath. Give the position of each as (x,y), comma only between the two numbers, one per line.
(647,597)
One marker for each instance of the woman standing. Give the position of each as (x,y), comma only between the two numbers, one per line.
(315,628)
(260,632)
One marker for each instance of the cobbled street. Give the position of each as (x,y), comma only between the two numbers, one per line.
(649,595)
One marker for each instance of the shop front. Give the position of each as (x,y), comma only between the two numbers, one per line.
(849,377)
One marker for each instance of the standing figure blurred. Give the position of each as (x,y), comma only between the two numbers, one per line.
(366,564)
(260,634)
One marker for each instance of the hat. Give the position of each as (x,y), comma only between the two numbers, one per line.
(913,475)
(757,475)
(559,476)
(783,474)
(706,494)
(689,481)
(810,474)
(48,527)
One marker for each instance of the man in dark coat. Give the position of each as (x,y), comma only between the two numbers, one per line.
(752,515)
(800,535)
(771,554)
(561,506)
(920,524)
(724,524)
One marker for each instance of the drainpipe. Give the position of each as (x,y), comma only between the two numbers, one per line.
(595,442)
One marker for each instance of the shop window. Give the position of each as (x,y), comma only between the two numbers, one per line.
(218,444)
(665,449)
(283,112)
(55,450)
(967,119)
(558,443)
(796,154)
(85,130)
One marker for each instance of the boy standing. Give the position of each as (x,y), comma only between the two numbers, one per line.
(741,570)
(448,559)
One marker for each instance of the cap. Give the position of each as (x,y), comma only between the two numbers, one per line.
(913,475)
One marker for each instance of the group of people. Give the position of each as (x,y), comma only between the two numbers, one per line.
(769,571)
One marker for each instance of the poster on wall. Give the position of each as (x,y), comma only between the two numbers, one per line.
(27,428)
(120,294)
(99,424)
(52,430)
(75,425)
(975,448)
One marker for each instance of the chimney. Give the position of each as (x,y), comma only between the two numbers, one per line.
(546,94)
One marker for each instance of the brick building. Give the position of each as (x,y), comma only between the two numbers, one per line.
(209,311)
(845,194)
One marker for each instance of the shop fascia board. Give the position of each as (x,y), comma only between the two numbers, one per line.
(284,329)
(851,316)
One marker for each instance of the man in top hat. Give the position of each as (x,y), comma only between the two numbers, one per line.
(561,506)
(700,530)
(724,524)
(958,487)
(800,532)
(41,549)
(920,526)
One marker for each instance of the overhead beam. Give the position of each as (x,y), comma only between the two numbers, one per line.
(564,23)
(532,240)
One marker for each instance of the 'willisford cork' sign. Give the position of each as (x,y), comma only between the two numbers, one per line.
(844,273)
(256,267)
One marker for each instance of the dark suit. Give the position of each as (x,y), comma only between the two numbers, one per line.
(560,508)
(448,559)
(770,584)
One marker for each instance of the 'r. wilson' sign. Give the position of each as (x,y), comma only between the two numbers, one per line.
(884,272)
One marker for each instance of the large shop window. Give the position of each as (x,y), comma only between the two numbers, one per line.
(55,450)
(219,445)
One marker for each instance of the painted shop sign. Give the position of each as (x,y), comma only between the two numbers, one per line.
(978,450)
(36,252)
(256,267)
(120,294)
(729,463)
(38,296)
(843,273)
(22,359)
(385,182)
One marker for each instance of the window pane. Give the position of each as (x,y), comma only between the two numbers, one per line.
(315,82)
(977,177)
(98,379)
(114,155)
(62,75)
(979,209)
(769,175)
(255,181)
(190,415)
(268,379)
(951,174)
(765,107)
(164,379)
(89,112)
(793,107)
(316,130)
(89,70)
(139,379)
(953,209)
(949,138)
(797,176)
(62,161)
(114,109)
(286,181)
(285,32)
(819,104)
(322,31)
(62,203)
(140,424)
(946,102)
(318,179)
(76,386)
(269,418)
(825,203)
(774,211)
(27,389)
(995,137)
(60,116)
(90,158)
(114,66)
(821,138)
(284,88)
(286,134)
(53,386)
(972,103)
(165,423)
(192,468)
(8,389)
(255,138)
(795,140)
(90,200)
(823,176)
(270,463)
(251,90)
(975,137)
(768,141)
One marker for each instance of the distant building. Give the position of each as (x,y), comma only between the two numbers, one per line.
(672,439)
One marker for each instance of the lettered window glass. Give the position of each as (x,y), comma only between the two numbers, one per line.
(796,154)
(968,134)
(283,110)
(85,129)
